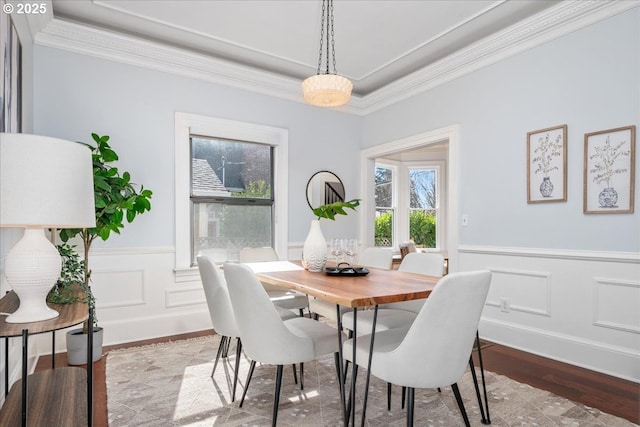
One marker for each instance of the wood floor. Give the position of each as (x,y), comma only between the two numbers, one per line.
(609,394)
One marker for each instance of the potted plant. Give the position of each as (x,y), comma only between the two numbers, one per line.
(314,251)
(116,198)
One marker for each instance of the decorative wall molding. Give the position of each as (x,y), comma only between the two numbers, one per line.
(126,285)
(563,254)
(182,296)
(612,318)
(543,280)
(556,21)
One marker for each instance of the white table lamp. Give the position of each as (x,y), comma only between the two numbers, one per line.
(44,183)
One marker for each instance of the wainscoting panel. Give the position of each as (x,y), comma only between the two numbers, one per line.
(617,304)
(118,288)
(521,290)
(579,307)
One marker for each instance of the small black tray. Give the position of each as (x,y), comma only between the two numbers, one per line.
(346,271)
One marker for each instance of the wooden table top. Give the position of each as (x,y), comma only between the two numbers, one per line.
(70,314)
(378,287)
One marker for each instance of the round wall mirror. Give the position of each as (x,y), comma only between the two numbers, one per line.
(323,188)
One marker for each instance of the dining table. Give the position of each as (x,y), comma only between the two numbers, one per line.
(353,290)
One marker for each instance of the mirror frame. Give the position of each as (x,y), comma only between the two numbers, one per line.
(322,180)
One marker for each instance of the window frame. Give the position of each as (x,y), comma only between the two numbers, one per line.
(395,177)
(441,203)
(187,125)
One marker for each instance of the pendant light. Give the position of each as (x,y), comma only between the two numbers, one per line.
(328,89)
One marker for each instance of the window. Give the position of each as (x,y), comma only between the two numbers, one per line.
(423,204)
(220,214)
(384,192)
(231,196)
(408,199)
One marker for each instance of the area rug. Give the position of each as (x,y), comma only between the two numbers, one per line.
(170,385)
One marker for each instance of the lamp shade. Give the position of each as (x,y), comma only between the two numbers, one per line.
(327,90)
(45,182)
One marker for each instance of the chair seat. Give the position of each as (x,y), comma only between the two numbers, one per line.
(324,337)
(385,341)
(325,309)
(288,299)
(285,313)
(387,319)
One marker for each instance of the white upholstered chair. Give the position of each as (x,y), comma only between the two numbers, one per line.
(398,314)
(372,257)
(221,313)
(433,352)
(267,338)
(285,298)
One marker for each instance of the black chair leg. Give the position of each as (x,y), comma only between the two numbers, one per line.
(301,376)
(388,396)
(246,386)
(484,383)
(221,346)
(276,396)
(404,394)
(456,392)
(237,369)
(295,374)
(301,312)
(472,368)
(410,399)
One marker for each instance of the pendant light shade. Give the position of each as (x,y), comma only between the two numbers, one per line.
(328,89)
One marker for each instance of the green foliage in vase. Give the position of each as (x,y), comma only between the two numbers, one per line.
(116,198)
(338,208)
(607,155)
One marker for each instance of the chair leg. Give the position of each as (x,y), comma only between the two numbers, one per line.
(246,386)
(237,368)
(225,352)
(484,384)
(276,396)
(410,407)
(456,392)
(301,376)
(472,368)
(404,395)
(295,374)
(388,396)
(301,312)
(223,340)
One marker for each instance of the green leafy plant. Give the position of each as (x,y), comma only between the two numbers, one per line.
(116,198)
(338,208)
(71,276)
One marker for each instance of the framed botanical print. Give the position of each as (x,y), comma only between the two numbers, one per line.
(547,165)
(609,160)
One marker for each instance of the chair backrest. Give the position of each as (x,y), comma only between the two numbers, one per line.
(217,296)
(376,258)
(407,248)
(257,254)
(436,349)
(265,338)
(429,264)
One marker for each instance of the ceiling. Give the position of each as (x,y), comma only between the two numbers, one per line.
(377,42)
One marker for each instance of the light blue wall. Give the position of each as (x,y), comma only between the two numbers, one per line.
(589,80)
(76,95)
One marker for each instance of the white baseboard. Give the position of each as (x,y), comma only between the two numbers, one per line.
(583,353)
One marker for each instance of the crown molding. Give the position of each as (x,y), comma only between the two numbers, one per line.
(555,22)
(566,17)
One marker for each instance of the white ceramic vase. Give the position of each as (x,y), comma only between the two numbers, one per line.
(314,251)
